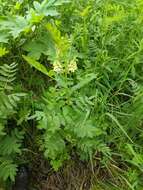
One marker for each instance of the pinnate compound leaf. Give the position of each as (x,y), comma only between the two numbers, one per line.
(14,25)
(87,130)
(54,145)
(7,169)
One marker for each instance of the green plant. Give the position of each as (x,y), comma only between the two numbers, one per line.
(84,85)
(10,137)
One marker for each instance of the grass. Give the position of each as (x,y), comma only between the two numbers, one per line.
(76,109)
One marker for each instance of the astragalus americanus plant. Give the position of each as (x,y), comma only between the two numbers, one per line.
(80,95)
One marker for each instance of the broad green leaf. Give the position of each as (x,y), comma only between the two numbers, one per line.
(35,49)
(45,9)
(48,7)
(42,45)
(36,65)
(34,17)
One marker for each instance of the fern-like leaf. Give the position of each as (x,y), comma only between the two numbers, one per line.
(7,76)
(7,169)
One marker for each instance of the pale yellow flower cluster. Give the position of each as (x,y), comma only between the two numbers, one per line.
(58,68)
(72,67)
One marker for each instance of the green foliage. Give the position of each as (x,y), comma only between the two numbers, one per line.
(87,98)
(36,64)
(8,169)
(10,143)
(10,146)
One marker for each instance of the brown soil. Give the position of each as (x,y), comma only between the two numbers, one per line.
(74,176)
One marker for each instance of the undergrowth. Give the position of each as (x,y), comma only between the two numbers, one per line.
(71,86)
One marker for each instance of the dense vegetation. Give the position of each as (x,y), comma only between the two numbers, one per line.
(71,88)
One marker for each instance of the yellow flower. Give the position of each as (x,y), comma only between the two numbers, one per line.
(72,67)
(57,67)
